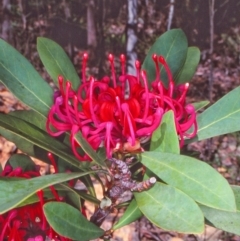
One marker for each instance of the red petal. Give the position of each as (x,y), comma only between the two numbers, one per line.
(107,111)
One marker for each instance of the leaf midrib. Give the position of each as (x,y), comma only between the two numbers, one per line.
(188,177)
(42,144)
(173,213)
(25,86)
(214,122)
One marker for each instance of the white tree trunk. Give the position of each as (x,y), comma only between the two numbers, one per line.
(131,36)
(170,14)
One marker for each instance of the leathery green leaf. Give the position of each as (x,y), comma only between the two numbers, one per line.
(23,161)
(199,105)
(88,149)
(220,118)
(131,214)
(170,209)
(56,61)
(165,138)
(190,65)
(227,221)
(11,126)
(19,76)
(236,191)
(195,178)
(172,45)
(69,222)
(32,117)
(15,192)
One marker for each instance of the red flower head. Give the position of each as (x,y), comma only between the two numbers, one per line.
(27,223)
(118,113)
(174,98)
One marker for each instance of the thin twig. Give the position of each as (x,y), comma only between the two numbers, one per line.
(211,22)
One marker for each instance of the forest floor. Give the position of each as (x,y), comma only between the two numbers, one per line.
(223,153)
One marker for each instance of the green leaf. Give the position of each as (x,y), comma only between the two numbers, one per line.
(56,61)
(88,197)
(24,145)
(189,68)
(165,138)
(131,214)
(71,195)
(34,198)
(88,149)
(195,178)
(39,121)
(23,161)
(69,222)
(227,221)
(32,117)
(236,191)
(170,209)
(15,192)
(199,105)
(172,45)
(19,76)
(220,118)
(26,135)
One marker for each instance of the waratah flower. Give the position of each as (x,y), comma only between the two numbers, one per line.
(119,113)
(27,222)
(174,98)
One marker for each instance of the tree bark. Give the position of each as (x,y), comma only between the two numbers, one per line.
(91,28)
(6,33)
(131,36)
(170,14)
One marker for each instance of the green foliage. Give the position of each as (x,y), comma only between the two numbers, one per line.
(199,105)
(21,160)
(165,138)
(183,61)
(17,191)
(69,222)
(220,118)
(195,178)
(26,135)
(170,209)
(56,61)
(227,221)
(190,65)
(172,45)
(88,149)
(19,76)
(31,117)
(131,214)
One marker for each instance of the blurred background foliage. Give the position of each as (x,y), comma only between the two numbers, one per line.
(99,26)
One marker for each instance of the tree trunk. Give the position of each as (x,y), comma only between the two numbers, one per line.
(131,36)
(91,28)
(170,14)
(6,33)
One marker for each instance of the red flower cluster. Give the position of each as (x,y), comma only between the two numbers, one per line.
(120,113)
(174,98)
(28,222)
